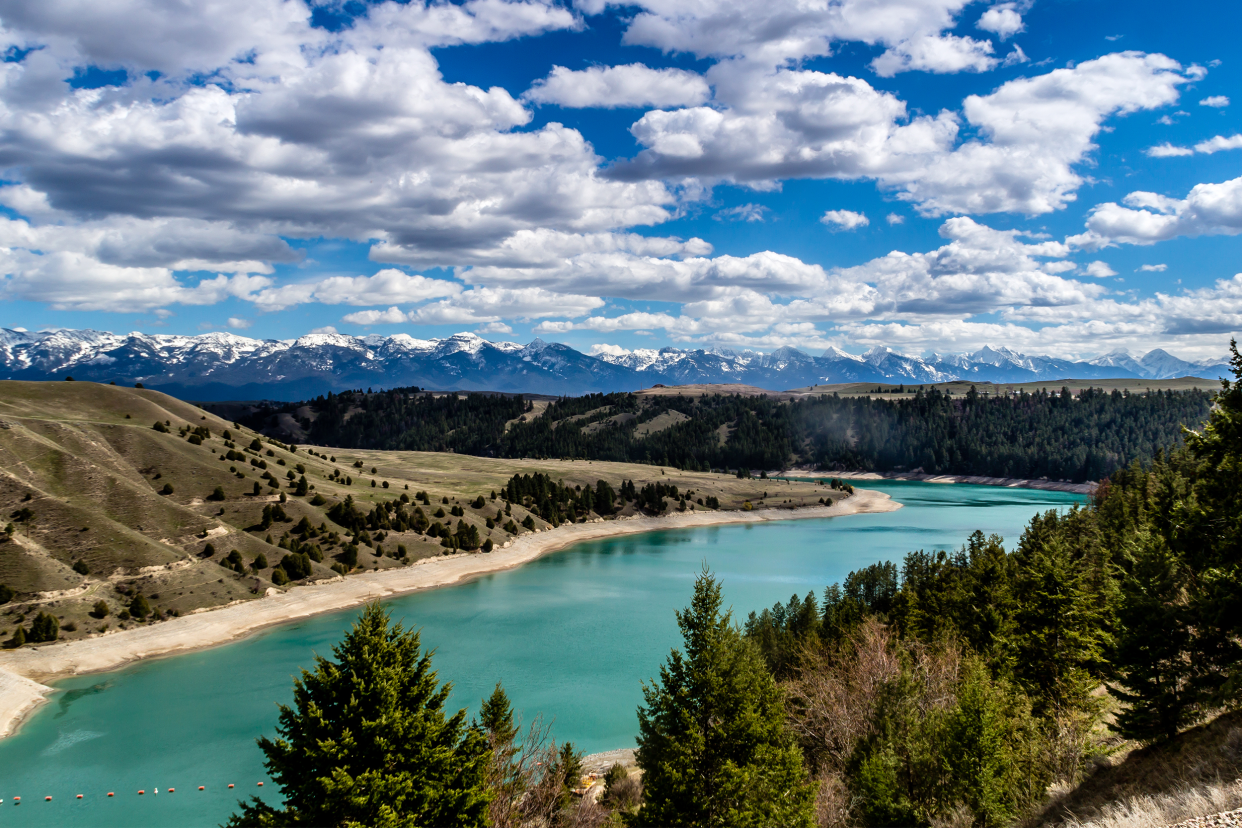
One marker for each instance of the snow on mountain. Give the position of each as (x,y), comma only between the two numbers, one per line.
(1119,359)
(228,366)
(836,354)
(1160,364)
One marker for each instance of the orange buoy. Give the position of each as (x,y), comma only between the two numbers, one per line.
(260,784)
(140,793)
(110,793)
(79,796)
(201,788)
(47,799)
(172,790)
(230,784)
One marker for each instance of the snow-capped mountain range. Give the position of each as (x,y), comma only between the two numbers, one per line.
(220,366)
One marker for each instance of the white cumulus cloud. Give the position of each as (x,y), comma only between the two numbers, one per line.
(608,87)
(1003,20)
(844,219)
(1146,218)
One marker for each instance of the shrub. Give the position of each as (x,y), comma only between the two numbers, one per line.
(167,490)
(80,567)
(296,566)
(101,609)
(139,608)
(340,569)
(6,594)
(438,513)
(217,495)
(478,503)
(349,555)
(160,427)
(260,562)
(401,550)
(487,545)
(45,627)
(279,578)
(208,550)
(194,440)
(139,385)
(318,500)
(18,639)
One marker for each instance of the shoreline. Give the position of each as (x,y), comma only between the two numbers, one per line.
(22,671)
(977,480)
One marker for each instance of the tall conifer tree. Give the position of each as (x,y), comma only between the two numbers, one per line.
(367,741)
(713,743)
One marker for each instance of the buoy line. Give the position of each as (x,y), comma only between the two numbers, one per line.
(17,800)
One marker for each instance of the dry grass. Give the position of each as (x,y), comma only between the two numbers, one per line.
(1160,810)
(92,477)
(1194,775)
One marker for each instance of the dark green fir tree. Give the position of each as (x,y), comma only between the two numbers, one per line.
(713,742)
(368,742)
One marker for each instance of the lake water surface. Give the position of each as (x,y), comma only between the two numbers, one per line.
(572,635)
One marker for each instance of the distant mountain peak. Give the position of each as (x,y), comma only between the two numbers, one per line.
(224,365)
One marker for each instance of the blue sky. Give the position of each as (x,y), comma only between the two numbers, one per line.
(931,175)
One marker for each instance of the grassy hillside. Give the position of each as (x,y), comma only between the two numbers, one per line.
(86,481)
(1193,774)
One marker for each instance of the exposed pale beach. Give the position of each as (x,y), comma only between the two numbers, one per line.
(22,670)
(1006,482)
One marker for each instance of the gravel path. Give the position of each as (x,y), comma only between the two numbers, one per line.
(1228,819)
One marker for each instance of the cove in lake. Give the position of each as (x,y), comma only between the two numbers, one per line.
(572,635)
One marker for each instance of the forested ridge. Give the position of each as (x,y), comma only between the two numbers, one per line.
(1065,436)
(975,680)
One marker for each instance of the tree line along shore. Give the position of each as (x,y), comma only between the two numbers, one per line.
(123,507)
(1076,436)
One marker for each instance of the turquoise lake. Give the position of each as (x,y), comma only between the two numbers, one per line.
(572,635)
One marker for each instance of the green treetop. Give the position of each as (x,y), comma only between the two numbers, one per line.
(713,743)
(368,742)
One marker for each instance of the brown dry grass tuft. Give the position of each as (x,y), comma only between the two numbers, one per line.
(1193,775)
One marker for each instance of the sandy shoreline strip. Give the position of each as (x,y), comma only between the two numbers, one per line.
(21,670)
(1005,482)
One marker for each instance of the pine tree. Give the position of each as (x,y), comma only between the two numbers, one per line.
(139,607)
(1153,645)
(1207,530)
(1061,636)
(977,748)
(496,717)
(367,741)
(45,627)
(713,743)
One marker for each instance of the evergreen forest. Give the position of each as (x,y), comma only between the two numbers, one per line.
(1059,436)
